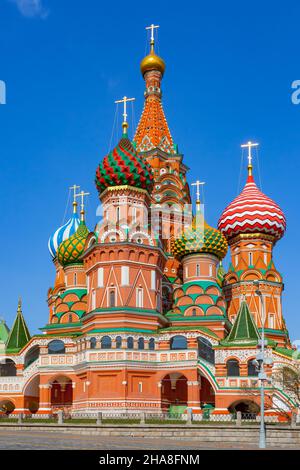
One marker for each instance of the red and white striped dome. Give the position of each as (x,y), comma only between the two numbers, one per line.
(252,212)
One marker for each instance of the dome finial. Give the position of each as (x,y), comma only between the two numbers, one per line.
(124,100)
(249,145)
(74,189)
(152,61)
(82,195)
(152,27)
(198,184)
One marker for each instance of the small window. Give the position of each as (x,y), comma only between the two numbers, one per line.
(139,297)
(194,312)
(93,343)
(93,300)
(100,277)
(140,387)
(233,368)
(210,270)
(153,280)
(197,270)
(141,343)
(271,321)
(75,279)
(252,368)
(124,275)
(130,343)
(56,347)
(152,344)
(112,298)
(250,259)
(178,342)
(70,317)
(118,214)
(106,342)
(118,342)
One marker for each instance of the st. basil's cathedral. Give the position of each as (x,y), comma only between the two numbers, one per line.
(142,314)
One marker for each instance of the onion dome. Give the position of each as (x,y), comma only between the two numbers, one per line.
(152,62)
(62,233)
(252,212)
(123,166)
(71,249)
(200,238)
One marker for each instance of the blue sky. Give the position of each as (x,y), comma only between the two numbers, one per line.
(229,69)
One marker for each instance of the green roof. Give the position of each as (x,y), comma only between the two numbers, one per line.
(19,334)
(4,331)
(244,330)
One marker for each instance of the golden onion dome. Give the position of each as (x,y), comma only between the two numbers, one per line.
(152,62)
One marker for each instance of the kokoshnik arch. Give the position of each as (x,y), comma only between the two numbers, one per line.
(138,322)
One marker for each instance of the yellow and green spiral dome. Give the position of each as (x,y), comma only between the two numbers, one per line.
(71,249)
(200,238)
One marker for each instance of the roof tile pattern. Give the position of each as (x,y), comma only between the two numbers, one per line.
(252,212)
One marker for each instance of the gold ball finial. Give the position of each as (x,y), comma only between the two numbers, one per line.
(152,62)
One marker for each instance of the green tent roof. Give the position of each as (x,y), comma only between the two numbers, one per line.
(4,331)
(244,330)
(19,334)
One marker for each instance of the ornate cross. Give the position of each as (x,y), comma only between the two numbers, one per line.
(152,27)
(82,195)
(249,145)
(74,189)
(125,101)
(198,184)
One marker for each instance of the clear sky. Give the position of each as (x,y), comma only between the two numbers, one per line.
(229,69)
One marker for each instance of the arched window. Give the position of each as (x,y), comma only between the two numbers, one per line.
(75,279)
(31,356)
(56,347)
(8,368)
(93,343)
(197,270)
(70,317)
(130,343)
(252,368)
(106,342)
(118,342)
(233,368)
(141,343)
(112,298)
(194,312)
(205,350)
(178,342)
(152,344)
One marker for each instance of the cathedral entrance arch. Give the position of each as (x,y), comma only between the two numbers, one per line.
(174,393)
(61,393)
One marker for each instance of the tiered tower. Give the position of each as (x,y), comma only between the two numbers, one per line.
(199,300)
(252,224)
(67,300)
(170,195)
(123,261)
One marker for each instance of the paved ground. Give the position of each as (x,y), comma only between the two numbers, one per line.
(45,440)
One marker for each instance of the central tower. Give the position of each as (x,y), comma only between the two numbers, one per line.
(170,196)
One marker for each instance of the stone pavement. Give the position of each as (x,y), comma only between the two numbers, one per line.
(45,440)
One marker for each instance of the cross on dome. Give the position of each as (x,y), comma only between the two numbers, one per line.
(125,100)
(198,184)
(249,145)
(82,195)
(152,27)
(74,189)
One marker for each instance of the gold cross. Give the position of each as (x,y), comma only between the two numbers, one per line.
(125,101)
(152,27)
(249,145)
(82,195)
(74,189)
(198,184)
